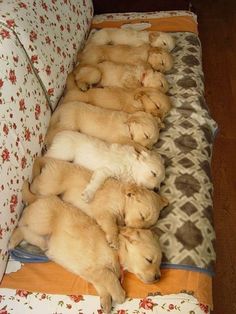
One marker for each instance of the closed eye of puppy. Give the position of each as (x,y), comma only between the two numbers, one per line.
(108,73)
(114,202)
(116,98)
(158,58)
(132,37)
(145,168)
(111,126)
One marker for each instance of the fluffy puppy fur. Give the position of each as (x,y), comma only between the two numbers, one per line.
(120,36)
(67,236)
(111,126)
(114,202)
(108,160)
(158,58)
(108,73)
(116,98)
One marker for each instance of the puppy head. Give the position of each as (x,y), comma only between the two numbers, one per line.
(161,103)
(161,39)
(156,80)
(142,206)
(154,102)
(143,247)
(149,170)
(160,59)
(144,128)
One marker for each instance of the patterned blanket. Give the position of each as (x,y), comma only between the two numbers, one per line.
(185,226)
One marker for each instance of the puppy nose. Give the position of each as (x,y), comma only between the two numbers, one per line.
(156,189)
(157,277)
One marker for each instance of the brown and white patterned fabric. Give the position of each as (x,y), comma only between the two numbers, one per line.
(38,45)
(185,226)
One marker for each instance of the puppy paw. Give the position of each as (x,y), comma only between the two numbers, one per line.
(138,95)
(113,241)
(87,196)
(120,298)
(82,86)
(106,304)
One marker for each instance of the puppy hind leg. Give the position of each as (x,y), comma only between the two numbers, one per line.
(27,196)
(107,284)
(87,76)
(34,238)
(16,237)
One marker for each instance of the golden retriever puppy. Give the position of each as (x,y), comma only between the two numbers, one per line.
(131,37)
(108,73)
(158,58)
(121,162)
(114,202)
(116,98)
(67,235)
(111,126)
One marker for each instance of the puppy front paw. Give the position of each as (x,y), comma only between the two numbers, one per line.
(113,241)
(87,196)
(120,298)
(106,304)
(82,86)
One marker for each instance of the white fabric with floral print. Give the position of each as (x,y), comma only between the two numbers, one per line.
(38,303)
(39,41)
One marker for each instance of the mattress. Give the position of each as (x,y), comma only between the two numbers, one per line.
(185,226)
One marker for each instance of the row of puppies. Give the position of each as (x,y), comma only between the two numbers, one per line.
(44,222)
(125,58)
(138,207)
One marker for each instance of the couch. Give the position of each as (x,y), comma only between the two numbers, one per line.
(39,43)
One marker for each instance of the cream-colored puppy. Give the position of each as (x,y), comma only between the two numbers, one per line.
(158,58)
(108,73)
(116,98)
(114,203)
(74,240)
(108,160)
(119,36)
(111,126)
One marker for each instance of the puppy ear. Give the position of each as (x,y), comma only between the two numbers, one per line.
(165,201)
(132,119)
(130,190)
(138,95)
(153,36)
(130,234)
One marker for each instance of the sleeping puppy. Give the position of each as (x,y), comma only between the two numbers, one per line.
(121,162)
(111,126)
(131,37)
(108,73)
(158,58)
(67,236)
(114,202)
(116,98)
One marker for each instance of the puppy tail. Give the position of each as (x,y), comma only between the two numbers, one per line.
(27,196)
(16,237)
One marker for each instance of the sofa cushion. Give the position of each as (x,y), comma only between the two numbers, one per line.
(51,32)
(38,46)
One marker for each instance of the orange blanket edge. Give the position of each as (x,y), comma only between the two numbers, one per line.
(53,279)
(164,24)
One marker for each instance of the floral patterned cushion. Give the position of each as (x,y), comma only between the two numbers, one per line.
(51,33)
(38,45)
